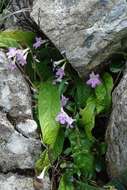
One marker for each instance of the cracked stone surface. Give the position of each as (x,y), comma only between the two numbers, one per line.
(89,31)
(28,128)
(15,182)
(20,146)
(116,135)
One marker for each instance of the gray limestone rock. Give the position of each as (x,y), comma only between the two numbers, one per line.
(28,128)
(18,147)
(15,98)
(16,151)
(116,135)
(89,31)
(15,182)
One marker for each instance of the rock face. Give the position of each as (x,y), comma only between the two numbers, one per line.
(89,31)
(19,143)
(15,96)
(15,182)
(116,135)
(16,151)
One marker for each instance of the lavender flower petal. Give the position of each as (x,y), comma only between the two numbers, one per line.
(94,80)
(63,118)
(59,74)
(11,52)
(22,56)
(38,42)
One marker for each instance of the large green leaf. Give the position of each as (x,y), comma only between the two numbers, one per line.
(8,42)
(88,116)
(48,108)
(22,37)
(56,149)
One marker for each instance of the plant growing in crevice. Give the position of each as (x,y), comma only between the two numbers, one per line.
(66,109)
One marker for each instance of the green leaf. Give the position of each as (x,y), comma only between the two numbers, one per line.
(88,116)
(66,183)
(8,42)
(108,82)
(100,93)
(21,37)
(103,94)
(62,87)
(56,149)
(42,162)
(48,108)
(83,91)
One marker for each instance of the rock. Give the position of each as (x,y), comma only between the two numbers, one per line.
(20,146)
(15,97)
(88,31)
(15,182)
(16,151)
(28,128)
(116,135)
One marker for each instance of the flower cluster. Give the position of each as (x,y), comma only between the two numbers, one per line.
(17,56)
(64,119)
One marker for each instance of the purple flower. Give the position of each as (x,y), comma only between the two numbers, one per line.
(11,52)
(60,74)
(61,118)
(38,42)
(64,101)
(22,56)
(18,55)
(94,80)
(64,119)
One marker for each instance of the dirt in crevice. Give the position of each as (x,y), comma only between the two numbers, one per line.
(21,172)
